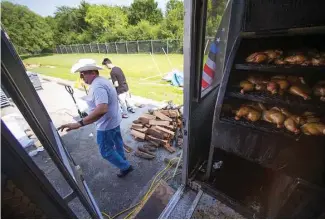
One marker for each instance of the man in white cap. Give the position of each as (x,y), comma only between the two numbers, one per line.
(105,112)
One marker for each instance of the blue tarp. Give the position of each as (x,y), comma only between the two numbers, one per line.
(176,78)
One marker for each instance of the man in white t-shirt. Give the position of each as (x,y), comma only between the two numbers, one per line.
(105,113)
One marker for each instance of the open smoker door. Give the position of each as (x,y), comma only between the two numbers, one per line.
(202,76)
(22,92)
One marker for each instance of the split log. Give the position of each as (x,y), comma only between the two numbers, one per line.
(134,126)
(170,127)
(154,143)
(156,133)
(145,118)
(162,116)
(170,113)
(156,122)
(169,148)
(157,140)
(165,130)
(142,130)
(138,134)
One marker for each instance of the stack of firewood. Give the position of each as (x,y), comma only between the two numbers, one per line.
(161,128)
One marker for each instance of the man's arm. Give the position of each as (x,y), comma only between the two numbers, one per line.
(114,79)
(98,112)
(101,101)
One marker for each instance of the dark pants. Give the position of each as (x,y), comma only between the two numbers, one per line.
(111,147)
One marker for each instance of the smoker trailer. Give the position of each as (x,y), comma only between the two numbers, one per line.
(255,168)
(248,169)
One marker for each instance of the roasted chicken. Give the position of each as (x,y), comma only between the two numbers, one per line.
(296,80)
(291,125)
(300,90)
(280,61)
(248,112)
(319,90)
(261,87)
(318,61)
(273,54)
(246,86)
(282,83)
(258,57)
(274,116)
(313,128)
(296,59)
(257,79)
(310,117)
(272,87)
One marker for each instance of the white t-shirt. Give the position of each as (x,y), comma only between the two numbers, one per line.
(102,91)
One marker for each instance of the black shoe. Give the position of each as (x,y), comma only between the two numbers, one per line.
(125,172)
(131,110)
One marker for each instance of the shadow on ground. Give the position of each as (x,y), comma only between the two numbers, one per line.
(112,194)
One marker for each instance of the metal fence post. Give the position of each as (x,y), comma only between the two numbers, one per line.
(116,48)
(91,50)
(66,51)
(126,47)
(151,46)
(77,48)
(137,46)
(83,47)
(106,48)
(167,46)
(71,49)
(98,48)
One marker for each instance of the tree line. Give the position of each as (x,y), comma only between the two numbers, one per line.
(88,23)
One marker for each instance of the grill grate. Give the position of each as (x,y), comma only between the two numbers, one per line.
(280,101)
(259,126)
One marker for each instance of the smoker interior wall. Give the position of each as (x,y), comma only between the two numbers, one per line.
(304,159)
(201,125)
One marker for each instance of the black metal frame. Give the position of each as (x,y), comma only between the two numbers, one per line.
(22,92)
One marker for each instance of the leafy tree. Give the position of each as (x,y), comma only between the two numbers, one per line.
(144,10)
(172,26)
(27,30)
(214,14)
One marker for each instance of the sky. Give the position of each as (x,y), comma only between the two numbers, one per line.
(48,7)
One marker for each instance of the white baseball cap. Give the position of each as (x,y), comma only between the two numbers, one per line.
(85,65)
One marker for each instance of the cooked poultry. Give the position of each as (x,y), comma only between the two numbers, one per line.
(248,112)
(291,125)
(319,90)
(282,83)
(280,62)
(274,116)
(296,59)
(300,90)
(299,120)
(246,86)
(296,80)
(258,106)
(257,79)
(318,61)
(273,54)
(261,87)
(272,87)
(313,128)
(257,57)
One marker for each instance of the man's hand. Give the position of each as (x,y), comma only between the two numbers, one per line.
(69,126)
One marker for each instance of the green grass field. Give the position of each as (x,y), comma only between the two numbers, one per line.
(136,67)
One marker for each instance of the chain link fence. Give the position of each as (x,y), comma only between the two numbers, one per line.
(130,47)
